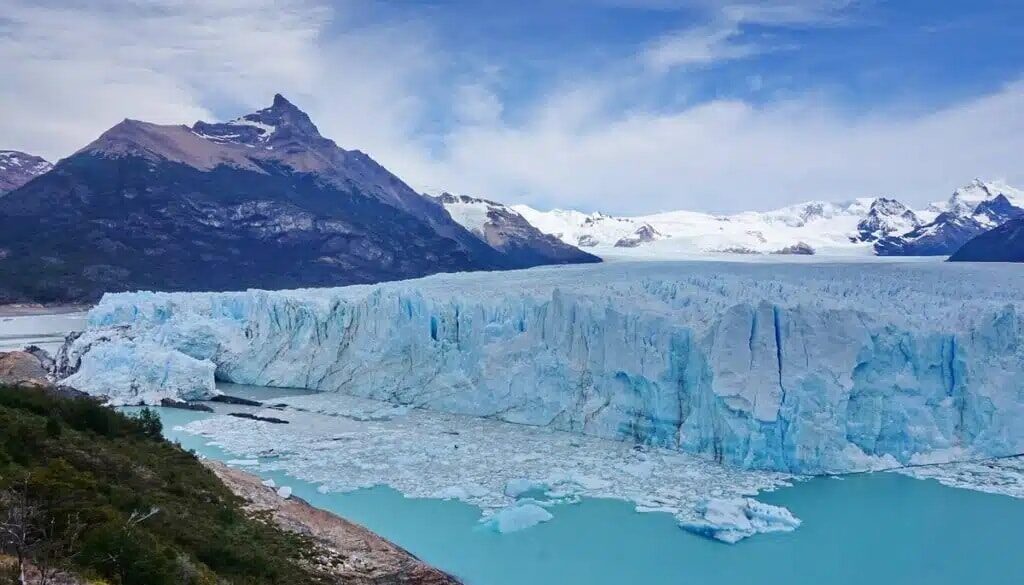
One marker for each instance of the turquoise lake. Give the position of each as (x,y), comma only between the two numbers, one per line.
(863,529)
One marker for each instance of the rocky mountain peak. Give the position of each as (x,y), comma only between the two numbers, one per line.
(18,168)
(282,122)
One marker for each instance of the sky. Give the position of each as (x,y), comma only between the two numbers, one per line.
(623,106)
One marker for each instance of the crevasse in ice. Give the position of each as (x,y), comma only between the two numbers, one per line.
(798,367)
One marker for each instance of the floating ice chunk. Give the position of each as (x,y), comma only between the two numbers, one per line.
(732,520)
(270,483)
(243,462)
(322,489)
(284,492)
(517,487)
(515,518)
(461,492)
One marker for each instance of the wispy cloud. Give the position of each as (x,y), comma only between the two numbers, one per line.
(722,38)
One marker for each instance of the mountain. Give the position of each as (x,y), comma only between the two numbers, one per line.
(830,228)
(886,217)
(1001,244)
(865,226)
(969,212)
(261,201)
(18,168)
(507,231)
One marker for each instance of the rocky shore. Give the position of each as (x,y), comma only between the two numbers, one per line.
(357,555)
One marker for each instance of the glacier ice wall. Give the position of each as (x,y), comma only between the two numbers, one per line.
(796,367)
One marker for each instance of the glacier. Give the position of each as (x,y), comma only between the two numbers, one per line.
(790,366)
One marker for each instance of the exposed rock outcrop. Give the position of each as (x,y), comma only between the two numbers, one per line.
(357,556)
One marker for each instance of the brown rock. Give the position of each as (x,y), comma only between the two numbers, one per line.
(364,557)
(20,368)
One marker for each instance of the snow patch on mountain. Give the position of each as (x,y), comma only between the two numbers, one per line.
(18,168)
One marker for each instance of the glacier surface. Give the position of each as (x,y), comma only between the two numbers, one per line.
(796,367)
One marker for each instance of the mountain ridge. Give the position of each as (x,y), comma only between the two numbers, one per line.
(18,168)
(262,201)
(864,226)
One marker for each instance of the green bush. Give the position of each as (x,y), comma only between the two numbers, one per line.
(149,512)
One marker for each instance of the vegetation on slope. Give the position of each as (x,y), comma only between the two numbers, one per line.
(94,492)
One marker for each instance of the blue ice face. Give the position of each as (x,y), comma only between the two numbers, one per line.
(797,367)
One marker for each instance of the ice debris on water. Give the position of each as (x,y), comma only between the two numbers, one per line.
(516,517)
(489,463)
(994,476)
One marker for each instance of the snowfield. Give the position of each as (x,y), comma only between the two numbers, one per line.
(792,367)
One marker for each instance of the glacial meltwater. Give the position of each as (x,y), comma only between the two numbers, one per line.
(879,528)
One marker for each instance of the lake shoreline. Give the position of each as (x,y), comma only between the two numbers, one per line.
(365,556)
(30,309)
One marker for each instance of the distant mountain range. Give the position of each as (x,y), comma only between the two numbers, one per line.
(866,226)
(18,168)
(261,201)
(265,201)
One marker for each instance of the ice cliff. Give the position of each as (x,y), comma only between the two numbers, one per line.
(797,367)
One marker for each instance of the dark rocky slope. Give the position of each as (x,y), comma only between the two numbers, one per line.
(506,230)
(263,201)
(1002,244)
(18,168)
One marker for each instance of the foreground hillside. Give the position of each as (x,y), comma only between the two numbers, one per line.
(102,495)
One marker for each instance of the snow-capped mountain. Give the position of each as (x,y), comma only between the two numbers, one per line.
(18,168)
(261,201)
(969,212)
(820,226)
(864,226)
(965,199)
(507,231)
(886,217)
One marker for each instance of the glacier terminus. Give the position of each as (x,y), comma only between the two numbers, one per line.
(795,367)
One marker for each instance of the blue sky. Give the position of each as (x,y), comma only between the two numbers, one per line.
(624,106)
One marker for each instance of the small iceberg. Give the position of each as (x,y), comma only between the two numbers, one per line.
(515,518)
(732,520)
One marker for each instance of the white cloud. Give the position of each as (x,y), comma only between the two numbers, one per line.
(729,155)
(72,70)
